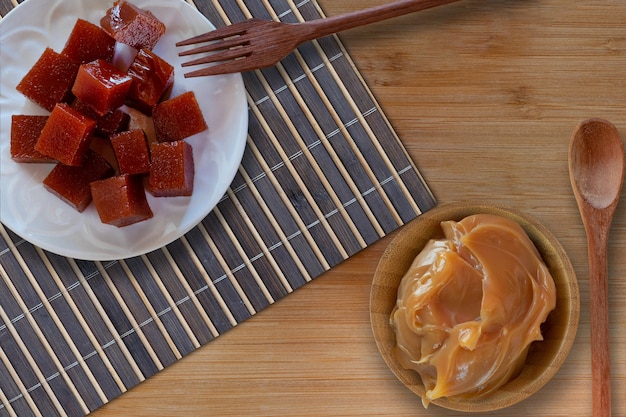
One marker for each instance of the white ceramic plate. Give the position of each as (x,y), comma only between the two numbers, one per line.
(43,219)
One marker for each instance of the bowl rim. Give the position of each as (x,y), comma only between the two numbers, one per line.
(389,270)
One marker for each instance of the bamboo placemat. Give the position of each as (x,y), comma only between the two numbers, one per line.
(323,176)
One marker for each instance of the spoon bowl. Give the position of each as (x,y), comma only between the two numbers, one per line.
(597,163)
(596,166)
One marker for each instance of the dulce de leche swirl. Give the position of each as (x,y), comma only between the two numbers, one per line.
(470,306)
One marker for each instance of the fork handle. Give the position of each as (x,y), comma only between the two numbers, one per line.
(322,27)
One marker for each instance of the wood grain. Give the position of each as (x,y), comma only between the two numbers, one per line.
(485,96)
(596,166)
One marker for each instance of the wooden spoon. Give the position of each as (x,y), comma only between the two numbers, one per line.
(596,166)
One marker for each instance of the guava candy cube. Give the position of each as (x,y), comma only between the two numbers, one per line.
(102,146)
(50,80)
(131,151)
(101,85)
(66,135)
(88,42)
(113,122)
(152,76)
(121,200)
(171,169)
(25,131)
(178,118)
(132,25)
(71,183)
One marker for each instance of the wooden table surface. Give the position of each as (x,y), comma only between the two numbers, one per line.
(485,95)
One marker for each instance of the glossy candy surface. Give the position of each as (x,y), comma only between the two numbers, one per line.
(88,42)
(178,118)
(172,169)
(50,80)
(131,151)
(71,183)
(113,122)
(66,135)
(132,25)
(25,131)
(101,85)
(121,200)
(152,77)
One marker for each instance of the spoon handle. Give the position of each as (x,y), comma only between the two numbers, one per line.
(599,294)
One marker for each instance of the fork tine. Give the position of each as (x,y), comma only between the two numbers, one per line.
(227,55)
(215,46)
(217,34)
(227,67)
(221,33)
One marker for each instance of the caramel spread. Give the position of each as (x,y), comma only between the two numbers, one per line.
(470,306)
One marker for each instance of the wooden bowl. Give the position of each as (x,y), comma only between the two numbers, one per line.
(544,357)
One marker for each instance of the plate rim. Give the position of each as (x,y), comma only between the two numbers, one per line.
(239,132)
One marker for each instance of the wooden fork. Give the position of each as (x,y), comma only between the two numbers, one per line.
(257,43)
